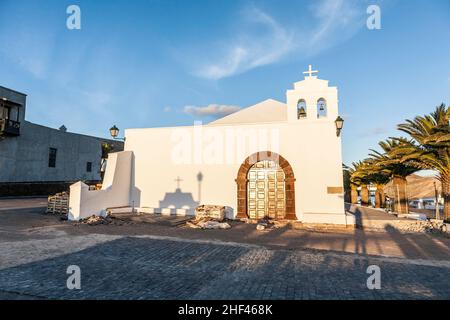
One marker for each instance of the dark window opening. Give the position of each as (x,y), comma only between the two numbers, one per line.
(89,166)
(52,157)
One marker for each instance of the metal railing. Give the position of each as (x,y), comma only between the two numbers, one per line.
(10,127)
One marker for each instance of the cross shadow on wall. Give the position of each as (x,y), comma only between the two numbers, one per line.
(180,199)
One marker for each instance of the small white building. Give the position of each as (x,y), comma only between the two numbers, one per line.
(273,159)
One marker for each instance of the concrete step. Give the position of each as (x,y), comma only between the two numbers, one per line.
(120,210)
(148,210)
(164,211)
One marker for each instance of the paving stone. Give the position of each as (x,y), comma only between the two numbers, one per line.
(144,268)
(165,262)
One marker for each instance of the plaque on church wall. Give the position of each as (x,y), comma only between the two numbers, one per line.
(335,190)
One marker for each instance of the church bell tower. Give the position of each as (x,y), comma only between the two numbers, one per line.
(312,99)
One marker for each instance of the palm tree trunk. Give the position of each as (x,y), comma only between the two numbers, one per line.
(354,195)
(401,199)
(379,196)
(364,195)
(445,181)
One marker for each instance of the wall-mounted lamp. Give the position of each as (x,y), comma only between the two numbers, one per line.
(114,131)
(339,124)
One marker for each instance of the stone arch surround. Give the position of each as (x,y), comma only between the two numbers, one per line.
(241,182)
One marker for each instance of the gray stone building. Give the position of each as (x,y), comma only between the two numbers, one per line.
(38,160)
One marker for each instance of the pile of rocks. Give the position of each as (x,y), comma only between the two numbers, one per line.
(210,211)
(209,217)
(436,226)
(265,223)
(417,226)
(207,223)
(96,220)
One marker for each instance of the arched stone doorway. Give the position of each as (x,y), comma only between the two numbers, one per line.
(271,163)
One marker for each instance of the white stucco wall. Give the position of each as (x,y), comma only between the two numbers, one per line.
(312,148)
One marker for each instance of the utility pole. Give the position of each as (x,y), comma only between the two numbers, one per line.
(436,206)
(399,206)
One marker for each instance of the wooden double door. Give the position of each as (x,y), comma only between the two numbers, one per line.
(266,191)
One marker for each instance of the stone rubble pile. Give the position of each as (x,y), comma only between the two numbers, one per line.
(207,223)
(210,211)
(96,220)
(265,223)
(434,226)
(209,217)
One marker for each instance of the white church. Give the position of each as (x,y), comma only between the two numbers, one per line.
(273,159)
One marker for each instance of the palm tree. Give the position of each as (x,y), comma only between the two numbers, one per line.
(360,178)
(354,181)
(347,183)
(396,166)
(378,177)
(430,148)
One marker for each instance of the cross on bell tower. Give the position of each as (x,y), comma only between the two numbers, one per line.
(310,71)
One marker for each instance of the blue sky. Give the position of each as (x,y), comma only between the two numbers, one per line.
(158,63)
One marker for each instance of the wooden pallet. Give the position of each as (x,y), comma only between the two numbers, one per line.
(58,203)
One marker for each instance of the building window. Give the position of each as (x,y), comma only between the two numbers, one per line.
(321,108)
(52,157)
(301,109)
(88,166)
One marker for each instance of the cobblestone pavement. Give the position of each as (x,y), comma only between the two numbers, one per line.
(119,264)
(146,267)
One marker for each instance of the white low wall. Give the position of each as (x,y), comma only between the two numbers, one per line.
(115,191)
(307,146)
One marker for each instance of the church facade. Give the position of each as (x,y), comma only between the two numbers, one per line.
(273,159)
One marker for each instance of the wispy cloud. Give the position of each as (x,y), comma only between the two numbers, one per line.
(332,21)
(249,50)
(337,20)
(212,110)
